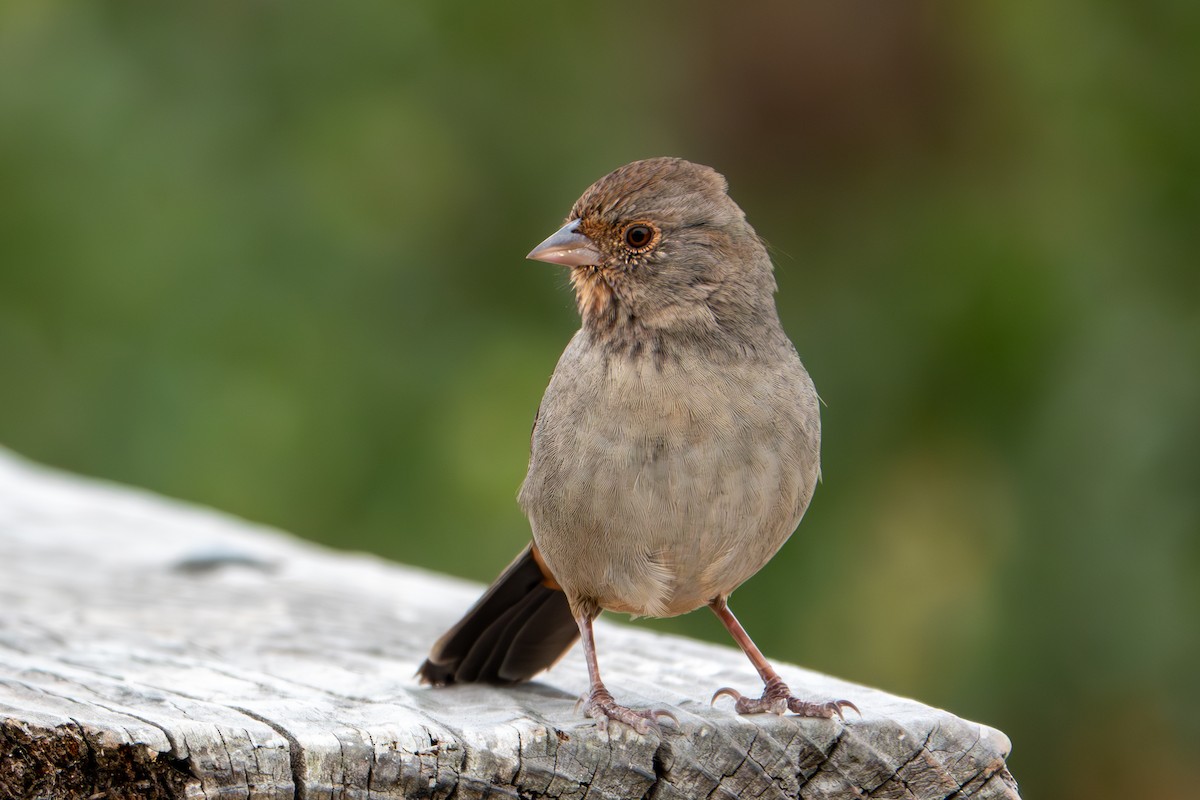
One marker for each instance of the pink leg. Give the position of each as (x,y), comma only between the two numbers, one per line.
(600,704)
(776,697)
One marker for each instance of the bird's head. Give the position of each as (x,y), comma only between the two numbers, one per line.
(657,247)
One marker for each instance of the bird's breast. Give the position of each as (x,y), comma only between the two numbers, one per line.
(654,487)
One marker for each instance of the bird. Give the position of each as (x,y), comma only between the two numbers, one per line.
(675,449)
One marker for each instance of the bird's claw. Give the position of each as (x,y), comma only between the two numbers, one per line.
(777,699)
(600,706)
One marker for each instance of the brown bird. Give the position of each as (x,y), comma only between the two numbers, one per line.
(675,450)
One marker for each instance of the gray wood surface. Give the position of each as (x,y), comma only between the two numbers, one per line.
(152,649)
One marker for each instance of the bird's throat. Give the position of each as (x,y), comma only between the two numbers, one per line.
(593,294)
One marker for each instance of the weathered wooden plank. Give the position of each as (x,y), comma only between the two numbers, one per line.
(152,649)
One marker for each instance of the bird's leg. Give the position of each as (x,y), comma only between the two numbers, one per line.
(599,703)
(776,697)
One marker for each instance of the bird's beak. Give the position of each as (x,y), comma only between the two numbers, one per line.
(568,247)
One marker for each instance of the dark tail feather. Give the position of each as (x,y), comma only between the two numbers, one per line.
(517,629)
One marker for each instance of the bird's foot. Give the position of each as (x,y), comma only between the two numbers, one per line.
(777,699)
(600,706)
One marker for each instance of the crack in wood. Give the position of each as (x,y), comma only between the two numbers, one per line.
(296,758)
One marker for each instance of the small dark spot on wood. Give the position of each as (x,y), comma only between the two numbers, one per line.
(203,563)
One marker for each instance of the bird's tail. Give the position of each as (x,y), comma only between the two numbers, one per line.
(521,626)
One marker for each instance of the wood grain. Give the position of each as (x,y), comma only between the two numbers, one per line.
(152,649)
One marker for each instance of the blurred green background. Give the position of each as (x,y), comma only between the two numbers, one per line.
(269,257)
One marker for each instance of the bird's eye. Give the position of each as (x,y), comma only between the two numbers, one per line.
(639,236)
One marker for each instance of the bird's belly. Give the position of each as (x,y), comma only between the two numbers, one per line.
(658,522)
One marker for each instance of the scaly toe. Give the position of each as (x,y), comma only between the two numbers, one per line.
(777,699)
(821,710)
(601,707)
(763,705)
(767,704)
